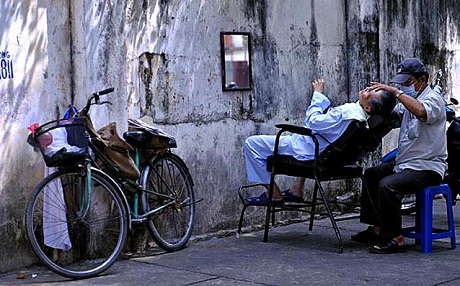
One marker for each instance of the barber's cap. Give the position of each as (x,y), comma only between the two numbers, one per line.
(407,68)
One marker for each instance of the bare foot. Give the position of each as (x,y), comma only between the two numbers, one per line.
(297,187)
(276,193)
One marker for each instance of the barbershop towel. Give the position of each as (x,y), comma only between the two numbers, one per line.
(353,111)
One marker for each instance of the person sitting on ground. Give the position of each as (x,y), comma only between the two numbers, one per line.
(420,162)
(329,123)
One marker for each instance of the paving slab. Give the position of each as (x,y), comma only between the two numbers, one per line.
(292,256)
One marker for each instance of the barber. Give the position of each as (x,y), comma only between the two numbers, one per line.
(420,162)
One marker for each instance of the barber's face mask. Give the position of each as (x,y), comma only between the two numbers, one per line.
(408,90)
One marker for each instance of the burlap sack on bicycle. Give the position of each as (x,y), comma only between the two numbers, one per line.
(117,150)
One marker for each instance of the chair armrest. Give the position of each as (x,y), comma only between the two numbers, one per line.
(294,129)
(297,130)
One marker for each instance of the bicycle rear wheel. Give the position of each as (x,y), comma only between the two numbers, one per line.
(170,192)
(75,230)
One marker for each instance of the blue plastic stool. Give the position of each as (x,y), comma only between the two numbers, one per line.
(423,231)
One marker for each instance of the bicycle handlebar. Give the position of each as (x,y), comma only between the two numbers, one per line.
(105,91)
(95,96)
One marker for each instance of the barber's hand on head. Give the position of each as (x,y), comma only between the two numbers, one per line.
(318,85)
(376,86)
(413,105)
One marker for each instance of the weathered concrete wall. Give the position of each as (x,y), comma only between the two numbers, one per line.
(163,58)
(425,29)
(35,39)
(174,64)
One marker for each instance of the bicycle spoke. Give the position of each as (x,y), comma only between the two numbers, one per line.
(172,222)
(76,236)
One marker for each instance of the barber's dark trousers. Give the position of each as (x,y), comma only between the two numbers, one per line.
(381,202)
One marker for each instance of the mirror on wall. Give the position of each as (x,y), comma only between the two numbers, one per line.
(236,61)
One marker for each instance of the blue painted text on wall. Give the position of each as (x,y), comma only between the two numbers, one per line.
(6,66)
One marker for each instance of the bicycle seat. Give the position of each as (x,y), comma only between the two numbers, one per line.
(137,138)
(143,139)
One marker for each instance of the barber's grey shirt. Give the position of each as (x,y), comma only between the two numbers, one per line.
(423,144)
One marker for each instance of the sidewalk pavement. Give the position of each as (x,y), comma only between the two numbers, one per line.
(292,256)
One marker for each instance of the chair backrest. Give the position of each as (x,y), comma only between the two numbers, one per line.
(348,148)
(380,126)
(357,141)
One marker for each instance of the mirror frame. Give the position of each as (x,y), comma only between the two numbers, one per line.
(246,76)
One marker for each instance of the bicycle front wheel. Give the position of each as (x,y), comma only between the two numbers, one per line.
(77,229)
(171,200)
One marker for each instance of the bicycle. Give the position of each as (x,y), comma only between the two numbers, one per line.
(78,217)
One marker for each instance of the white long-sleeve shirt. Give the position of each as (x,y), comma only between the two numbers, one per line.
(331,125)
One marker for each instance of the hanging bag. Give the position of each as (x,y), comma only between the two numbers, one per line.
(117,150)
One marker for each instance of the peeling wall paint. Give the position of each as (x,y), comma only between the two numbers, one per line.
(163,58)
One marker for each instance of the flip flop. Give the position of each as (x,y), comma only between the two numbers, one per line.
(387,248)
(261,200)
(289,197)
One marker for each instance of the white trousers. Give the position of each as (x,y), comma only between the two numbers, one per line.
(257,148)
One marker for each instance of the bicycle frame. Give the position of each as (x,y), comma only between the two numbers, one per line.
(85,200)
(137,159)
(120,179)
(85,203)
(115,173)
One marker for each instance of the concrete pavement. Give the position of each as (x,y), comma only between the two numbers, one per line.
(291,257)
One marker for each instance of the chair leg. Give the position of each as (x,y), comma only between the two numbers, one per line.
(313,208)
(240,224)
(331,216)
(426,222)
(269,207)
(267,223)
(418,219)
(450,219)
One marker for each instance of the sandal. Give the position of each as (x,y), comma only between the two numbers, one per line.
(261,200)
(366,236)
(289,197)
(387,248)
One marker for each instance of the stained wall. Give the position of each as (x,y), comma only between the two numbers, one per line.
(163,59)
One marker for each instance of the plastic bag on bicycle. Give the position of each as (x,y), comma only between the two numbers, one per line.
(61,142)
